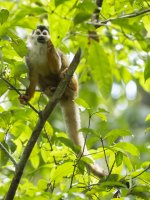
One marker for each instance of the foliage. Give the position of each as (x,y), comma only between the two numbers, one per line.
(114,78)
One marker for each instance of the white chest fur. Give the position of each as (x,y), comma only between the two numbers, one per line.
(37,55)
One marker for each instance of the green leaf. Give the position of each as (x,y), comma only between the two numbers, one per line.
(84,11)
(89,131)
(82,103)
(141,191)
(113,135)
(18,69)
(101,69)
(101,116)
(18,44)
(110,184)
(3,15)
(2,136)
(3,87)
(5,117)
(81,17)
(127,147)
(147,117)
(128,163)
(67,142)
(42,184)
(58,2)
(119,158)
(35,160)
(145,164)
(102,110)
(20,47)
(147,130)
(61,171)
(146,20)
(87,160)
(147,69)
(49,129)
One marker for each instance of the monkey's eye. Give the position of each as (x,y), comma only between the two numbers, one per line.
(38,32)
(45,32)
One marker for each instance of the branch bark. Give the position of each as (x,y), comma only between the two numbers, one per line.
(40,124)
(131,15)
(95,20)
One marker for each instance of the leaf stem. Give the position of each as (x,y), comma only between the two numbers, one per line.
(105,154)
(8,154)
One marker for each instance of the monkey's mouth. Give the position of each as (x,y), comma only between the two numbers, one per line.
(41,39)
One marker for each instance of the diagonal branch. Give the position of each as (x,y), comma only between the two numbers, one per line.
(40,124)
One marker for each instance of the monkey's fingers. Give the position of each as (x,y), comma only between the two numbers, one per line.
(50,90)
(23,98)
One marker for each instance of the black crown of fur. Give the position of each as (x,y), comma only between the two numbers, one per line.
(42,28)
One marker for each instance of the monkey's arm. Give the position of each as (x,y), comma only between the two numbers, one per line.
(54,59)
(24,98)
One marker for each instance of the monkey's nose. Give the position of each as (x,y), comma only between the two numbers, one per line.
(41,39)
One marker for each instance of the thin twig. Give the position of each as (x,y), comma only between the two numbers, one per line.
(51,147)
(141,172)
(131,15)
(23,90)
(8,154)
(73,174)
(15,89)
(111,170)
(105,154)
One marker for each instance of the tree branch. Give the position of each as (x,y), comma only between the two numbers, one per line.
(8,154)
(94,21)
(40,124)
(131,15)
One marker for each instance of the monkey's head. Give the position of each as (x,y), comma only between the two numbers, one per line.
(41,34)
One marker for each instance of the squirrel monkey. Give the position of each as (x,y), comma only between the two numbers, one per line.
(47,66)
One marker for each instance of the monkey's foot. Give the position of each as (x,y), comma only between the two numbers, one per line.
(24,98)
(50,90)
(63,73)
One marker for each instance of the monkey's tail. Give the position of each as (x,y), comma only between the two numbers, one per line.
(72,119)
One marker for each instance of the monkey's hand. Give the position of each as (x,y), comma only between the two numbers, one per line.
(24,98)
(50,90)
(73,85)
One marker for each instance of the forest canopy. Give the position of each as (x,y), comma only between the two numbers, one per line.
(114,100)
